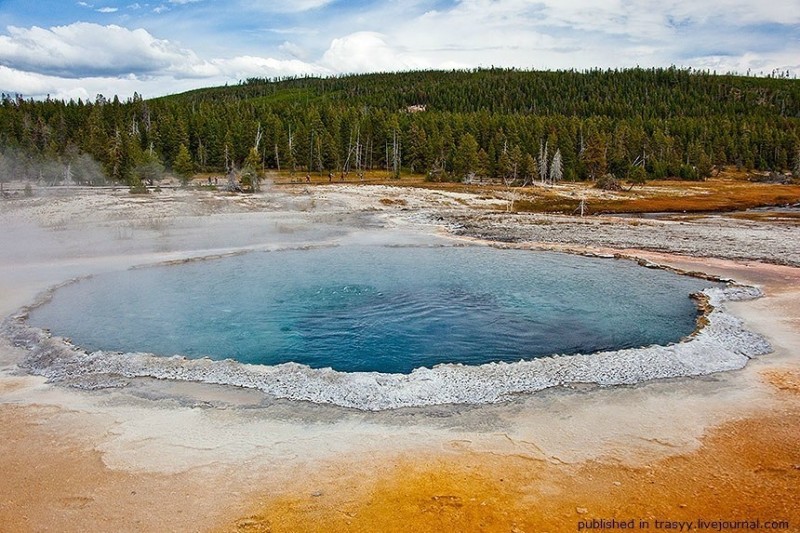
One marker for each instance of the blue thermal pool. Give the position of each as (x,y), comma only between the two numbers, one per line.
(376,308)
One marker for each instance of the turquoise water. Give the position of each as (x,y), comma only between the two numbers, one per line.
(376,308)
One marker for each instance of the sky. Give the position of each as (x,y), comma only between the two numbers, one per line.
(68,49)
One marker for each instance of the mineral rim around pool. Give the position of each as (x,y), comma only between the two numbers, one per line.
(366,326)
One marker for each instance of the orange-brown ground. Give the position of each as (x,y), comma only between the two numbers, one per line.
(746,469)
(730,190)
(53,482)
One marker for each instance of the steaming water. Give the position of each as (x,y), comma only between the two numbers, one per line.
(376,308)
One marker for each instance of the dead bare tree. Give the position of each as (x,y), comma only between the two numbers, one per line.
(556,168)
(543,166)
(396,147)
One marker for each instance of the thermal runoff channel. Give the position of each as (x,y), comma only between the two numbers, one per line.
(377,308)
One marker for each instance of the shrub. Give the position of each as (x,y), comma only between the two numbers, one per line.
(137,186)
(637,175)
(608,183)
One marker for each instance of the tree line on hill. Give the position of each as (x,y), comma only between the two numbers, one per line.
(516,126)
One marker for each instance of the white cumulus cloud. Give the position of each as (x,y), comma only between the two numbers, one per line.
(292,49)
(577,34)
(87,49)
(243,67)
(83,59)
(368,51)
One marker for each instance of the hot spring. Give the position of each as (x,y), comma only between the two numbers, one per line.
(377,308)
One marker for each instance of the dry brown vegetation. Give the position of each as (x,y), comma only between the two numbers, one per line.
(731,190)
(718,195)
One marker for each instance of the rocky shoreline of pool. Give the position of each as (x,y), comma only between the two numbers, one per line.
(722,344)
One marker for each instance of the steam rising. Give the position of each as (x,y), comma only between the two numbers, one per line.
(72,169)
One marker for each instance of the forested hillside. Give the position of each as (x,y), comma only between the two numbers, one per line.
(504,124)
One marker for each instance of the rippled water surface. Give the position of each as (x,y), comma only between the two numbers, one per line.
(376,308)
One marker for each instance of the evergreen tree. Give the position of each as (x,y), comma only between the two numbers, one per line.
(704,165)
(120,160)
(594,157)
(149,168)
(529,171)
(515,159)
(417,150)
(465,162)
(637,175)
(484,169)
(183,165)
(251,175)
(505,167)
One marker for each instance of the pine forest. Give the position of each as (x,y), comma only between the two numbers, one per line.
(494,124)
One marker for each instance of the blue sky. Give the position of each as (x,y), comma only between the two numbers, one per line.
(79,49)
